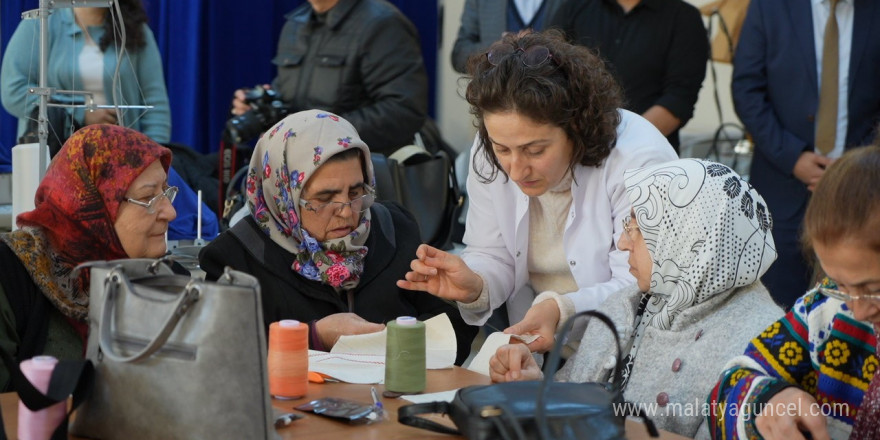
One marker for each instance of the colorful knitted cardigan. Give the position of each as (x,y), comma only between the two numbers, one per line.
(817,346)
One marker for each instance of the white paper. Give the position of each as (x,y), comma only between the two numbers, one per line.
(480,363)
(442,396)
(351,368)
(440,343)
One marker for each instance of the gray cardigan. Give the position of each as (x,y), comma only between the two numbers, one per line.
(725,324)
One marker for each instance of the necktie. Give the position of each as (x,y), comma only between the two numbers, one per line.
(867,426)
(826,126)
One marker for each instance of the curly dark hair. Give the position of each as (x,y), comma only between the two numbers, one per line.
(572,90)
(134,17)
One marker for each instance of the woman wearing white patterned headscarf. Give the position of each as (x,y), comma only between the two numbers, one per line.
(699,240)
(324,252)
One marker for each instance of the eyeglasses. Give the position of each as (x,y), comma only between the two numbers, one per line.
(358,204)
(532,56)
(844,296)
(628,227)
(170,193)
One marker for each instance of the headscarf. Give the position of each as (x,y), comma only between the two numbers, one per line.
(284,159)
(75,210)
(707,230)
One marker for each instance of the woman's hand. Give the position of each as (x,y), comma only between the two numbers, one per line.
(100,116)
(541,319)
(442,274)
(778,420)
(513,362)
(331,327)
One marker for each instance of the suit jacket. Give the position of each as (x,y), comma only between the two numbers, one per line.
(394,237)
(482,23)
(776,92)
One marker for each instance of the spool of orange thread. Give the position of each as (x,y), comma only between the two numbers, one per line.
(288,361)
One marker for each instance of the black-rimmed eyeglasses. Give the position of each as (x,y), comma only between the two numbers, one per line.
(532,56)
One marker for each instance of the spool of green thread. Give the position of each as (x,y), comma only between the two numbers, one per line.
(405,356)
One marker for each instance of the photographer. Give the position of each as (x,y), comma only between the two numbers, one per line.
(357,58)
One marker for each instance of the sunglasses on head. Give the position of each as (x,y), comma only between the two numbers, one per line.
(532,56)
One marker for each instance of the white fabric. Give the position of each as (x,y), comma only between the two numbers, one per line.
(845,12)
(498,226)
(91,70)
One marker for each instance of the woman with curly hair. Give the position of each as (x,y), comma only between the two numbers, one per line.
(109,52)
(540,239)
(699,240)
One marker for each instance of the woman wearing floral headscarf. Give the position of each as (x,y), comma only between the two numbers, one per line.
(104,197)
(323,251)
(699,240)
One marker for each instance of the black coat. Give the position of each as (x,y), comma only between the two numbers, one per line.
(362,61)
(394,237)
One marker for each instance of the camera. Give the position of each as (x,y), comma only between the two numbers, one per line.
(267,109)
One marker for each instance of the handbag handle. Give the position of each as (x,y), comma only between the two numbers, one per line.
(408,415)
(115,277)
(553,363)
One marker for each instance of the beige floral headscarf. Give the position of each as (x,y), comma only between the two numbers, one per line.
(283,160)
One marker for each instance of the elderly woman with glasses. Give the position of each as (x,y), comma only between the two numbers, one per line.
(698,238)
(324,252)
(545,187)
(813,373)
(104,197)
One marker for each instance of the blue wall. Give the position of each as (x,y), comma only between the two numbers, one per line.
(212,47)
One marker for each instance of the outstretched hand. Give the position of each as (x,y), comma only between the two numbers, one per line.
(513,362)
(541,319)
(442,274)
(331,327)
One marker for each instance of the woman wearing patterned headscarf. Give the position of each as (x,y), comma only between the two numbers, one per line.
(699,240)
(104,197)
(323,251)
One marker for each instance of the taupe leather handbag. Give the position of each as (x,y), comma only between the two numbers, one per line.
(174,357)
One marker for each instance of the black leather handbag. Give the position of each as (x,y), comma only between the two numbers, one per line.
(534,409)
(426,185)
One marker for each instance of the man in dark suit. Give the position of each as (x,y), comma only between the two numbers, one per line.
(484,21)
(781,62)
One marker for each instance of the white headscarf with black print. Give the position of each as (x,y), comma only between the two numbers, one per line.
(707,230)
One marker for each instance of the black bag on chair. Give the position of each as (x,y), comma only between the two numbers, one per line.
(534,409)
(426,186)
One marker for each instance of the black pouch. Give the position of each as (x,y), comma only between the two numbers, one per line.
(534,409)
(349,411)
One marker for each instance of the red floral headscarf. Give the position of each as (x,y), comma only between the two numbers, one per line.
(76,206)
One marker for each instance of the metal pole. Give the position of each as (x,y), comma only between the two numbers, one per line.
(43,119)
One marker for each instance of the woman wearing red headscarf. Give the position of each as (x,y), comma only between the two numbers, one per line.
(105,196)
